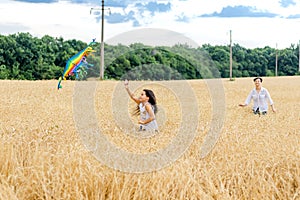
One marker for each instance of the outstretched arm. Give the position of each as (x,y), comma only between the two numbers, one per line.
(126,83)
(247,101)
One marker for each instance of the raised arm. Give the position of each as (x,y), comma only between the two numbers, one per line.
(126,83)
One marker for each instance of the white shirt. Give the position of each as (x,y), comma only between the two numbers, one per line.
(260,99)
(144,115)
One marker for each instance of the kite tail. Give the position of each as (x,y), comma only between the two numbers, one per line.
(59,81)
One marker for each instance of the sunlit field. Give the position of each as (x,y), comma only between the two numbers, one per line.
(44,155)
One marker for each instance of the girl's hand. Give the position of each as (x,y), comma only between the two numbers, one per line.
(126,82)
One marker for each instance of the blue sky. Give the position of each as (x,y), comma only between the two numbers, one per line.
(254,23)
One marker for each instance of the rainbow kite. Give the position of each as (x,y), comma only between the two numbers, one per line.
(84,64)
(75,62)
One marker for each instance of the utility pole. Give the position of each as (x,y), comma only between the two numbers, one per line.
(276,61)
(102,40)
(230,62)
(102,44)
(299,55)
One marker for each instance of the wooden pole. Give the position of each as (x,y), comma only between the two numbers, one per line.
(102,45)
(230,62)
(299,55)
(276,61)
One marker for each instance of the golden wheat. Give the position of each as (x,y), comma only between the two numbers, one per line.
(43,155)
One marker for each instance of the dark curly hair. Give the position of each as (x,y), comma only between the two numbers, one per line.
(152,101)
(257,78)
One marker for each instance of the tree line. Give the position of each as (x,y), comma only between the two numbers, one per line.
(24,57)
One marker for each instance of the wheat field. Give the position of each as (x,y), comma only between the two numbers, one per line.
(45,153)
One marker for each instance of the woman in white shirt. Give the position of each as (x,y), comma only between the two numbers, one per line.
(260,96)
(147,108)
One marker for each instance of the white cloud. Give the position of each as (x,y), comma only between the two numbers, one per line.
(73,21)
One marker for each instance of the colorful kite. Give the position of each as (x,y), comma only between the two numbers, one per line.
(78,69)
(75,62)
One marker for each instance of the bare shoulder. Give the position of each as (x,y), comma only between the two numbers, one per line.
(148,105)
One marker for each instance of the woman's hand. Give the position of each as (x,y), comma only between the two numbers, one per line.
(273,108)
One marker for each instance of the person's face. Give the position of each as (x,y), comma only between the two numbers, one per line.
(143,96)
(257,82)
